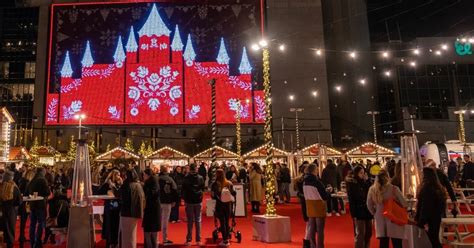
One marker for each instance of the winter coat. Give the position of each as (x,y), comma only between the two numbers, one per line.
(429,207)
(193,188)
(383,226)
(133,200)
(256,192)
(357,191)
(331,176)
(468,172)
(202,171)
(452,171)
(40,185)
(443,179)
(314,192)
(285,176)
(168,189)
(222,208)
(178,179)
(152,215)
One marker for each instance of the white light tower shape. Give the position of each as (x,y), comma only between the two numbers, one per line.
(177,43)
(222,56)
(154,25)
(132,45)
(189,54)
(119,55)
(87,60)
(245,67)
(66,70)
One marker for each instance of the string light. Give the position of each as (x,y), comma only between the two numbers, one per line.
(377,147)
(413,64)
(319,52)
(339,88)
(227,153)
(282,48)
(385,54)
(471,40)
(167,148)
(315,93)
(438,52)
(362,81)
(118,148)
(256,152)
(353,55)
(291,97)
(255,47)
(263,43)
(444,47)
(416,51)
(387,73)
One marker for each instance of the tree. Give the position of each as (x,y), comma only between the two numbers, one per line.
(143,151)
(34,152)
(107,148)
(71,153)
(92,153)
(149,150)
(129,145)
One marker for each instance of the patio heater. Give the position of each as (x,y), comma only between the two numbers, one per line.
(80,215)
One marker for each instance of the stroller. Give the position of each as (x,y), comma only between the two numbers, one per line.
(232,230)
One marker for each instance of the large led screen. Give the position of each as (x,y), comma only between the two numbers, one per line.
(152,63)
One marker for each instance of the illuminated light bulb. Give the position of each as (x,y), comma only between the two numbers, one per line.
(319,52)
(416,51)
(431,50)
(471,40)
(282,47)
(362,81)
(413,64)
(291,97)
(463,40)
(255,47)
(247,100)
(385,54)
(387,73)
(263,43)
(472,111)
(353,55)
(338,88)
(438,52)
(402,60)
(315,93)
(444,47)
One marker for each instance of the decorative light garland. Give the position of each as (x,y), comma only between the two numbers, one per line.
(275,150)
(117,149)
(371,144)
(237,133)
(167,148)
(200,155)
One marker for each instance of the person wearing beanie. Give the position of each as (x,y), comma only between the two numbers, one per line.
(10,199)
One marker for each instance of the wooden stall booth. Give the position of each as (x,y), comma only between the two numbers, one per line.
(321,153)
(259,154)
(6,120)
(168,155)
(223,155)
(370,151)
(117,153)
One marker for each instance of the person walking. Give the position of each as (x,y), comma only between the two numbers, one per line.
(285,180)
(202,171)
(331,179)
(10,199)
(315,196)
(22,210)
(152,216)
(430,205)
(222,191)
(132,198)
(38,186)
(256,194)
(298,187)
(111,217)
(168,195)
(193,189)
(178,177)
(385,230)
(357,191)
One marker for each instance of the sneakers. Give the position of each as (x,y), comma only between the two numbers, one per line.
(198,243)
(329,214)
(188,243)
(224,244)
(167,242)
(337,214)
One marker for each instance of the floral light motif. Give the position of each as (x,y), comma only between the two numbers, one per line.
(153,86)
(52,106)
(114,112)
(260,108)
(235,106)
(194,111)
(69,111)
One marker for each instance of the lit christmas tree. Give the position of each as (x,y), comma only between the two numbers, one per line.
(143,151)
(107,148)
(34,152)
(149,150)
(129,145)
(92,153)
(71,153)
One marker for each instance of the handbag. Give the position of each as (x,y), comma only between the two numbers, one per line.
(316,208)
(394,212)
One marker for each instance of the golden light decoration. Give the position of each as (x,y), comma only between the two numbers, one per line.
(378,147)
(120,149)
(237,133)
(256,150)
(169,149)
(201,154)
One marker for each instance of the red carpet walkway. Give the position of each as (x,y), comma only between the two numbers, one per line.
(338,233)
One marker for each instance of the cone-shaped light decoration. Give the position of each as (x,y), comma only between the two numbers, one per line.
(87,60)
(245,67)
(222,56)
(177,44)
(119,55)
(131,42)
(189,54)
(66,70)
(154,25)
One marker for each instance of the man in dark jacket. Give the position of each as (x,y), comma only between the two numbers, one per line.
(193,188)
(40,186)
(285,180)
(152,215)
(468,172)
(203,171)
(331,180)
(168,195)
(443,179)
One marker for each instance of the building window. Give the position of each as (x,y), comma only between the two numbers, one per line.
(4,70)
(30,69)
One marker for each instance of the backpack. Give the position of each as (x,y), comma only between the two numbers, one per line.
(226,195)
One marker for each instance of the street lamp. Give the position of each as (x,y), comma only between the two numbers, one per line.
(374,113)
(80,117)
(296,110)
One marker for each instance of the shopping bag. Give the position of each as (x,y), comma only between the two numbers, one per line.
(316,208)
(394,212)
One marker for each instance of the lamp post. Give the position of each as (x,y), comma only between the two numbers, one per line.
(80,117)
(373,114)
(297,128)
(462,131)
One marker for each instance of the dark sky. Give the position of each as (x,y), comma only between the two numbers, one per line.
(419,18)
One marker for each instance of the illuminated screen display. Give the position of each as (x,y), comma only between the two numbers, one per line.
(151,63)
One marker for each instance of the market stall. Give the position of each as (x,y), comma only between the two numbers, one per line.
(259,154)
(117,153)
(5,126)
(46,155)
(19,155)
(370,151)
(319,152)
(168,155)
(223,155)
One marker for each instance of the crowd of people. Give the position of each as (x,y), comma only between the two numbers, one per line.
(156,193)
(368,193)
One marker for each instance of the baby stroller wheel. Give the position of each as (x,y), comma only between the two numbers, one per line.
(238,236)
(215,236)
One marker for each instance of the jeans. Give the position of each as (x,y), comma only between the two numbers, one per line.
(150,239)
(333,205)
(285,192)
(363,233)
(165,218)
(384,243)
(37,224)
(174,216)
(315,225)
(193,214)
